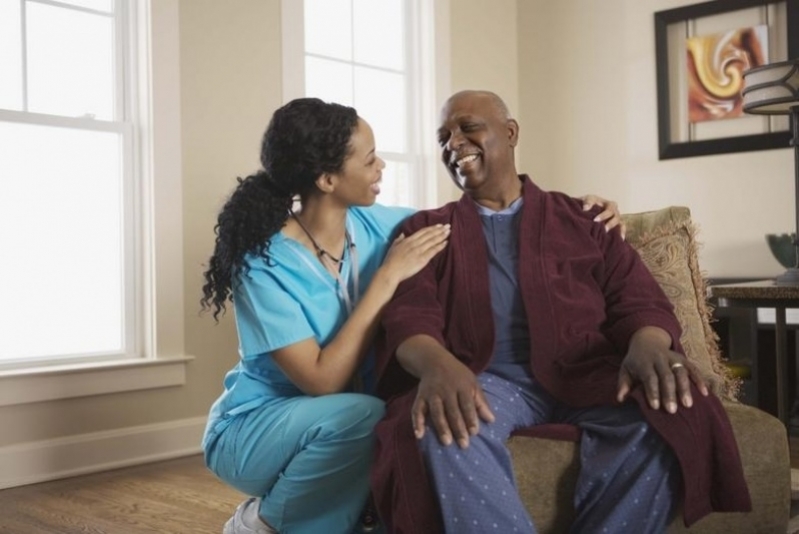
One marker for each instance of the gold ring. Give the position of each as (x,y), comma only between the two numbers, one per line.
(676,365)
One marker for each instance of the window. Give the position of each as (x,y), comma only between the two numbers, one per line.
(66,211)
(77,206)
(376,56)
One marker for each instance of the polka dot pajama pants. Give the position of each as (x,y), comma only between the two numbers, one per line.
(627,481)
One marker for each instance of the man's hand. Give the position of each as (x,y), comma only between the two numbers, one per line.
(664,374)
(451,399)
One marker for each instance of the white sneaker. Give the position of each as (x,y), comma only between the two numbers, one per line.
(245,520)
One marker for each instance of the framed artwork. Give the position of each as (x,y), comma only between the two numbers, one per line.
(701,53)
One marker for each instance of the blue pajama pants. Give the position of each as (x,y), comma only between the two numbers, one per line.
(308,458)
(628,476)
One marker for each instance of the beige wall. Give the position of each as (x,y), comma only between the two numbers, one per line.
(230,76)
(577,136)
(230,80)
(483,47)
(230,83)
(587,86)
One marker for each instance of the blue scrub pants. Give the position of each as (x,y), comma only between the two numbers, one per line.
(628,475)
(308,458)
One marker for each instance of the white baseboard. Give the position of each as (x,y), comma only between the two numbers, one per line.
(39,461)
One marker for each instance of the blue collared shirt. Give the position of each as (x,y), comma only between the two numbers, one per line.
(512,336)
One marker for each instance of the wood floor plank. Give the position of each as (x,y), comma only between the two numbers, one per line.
(174,497)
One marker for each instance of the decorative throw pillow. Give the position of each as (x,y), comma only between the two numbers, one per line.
(666,241)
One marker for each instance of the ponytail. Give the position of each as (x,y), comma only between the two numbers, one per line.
(255,211)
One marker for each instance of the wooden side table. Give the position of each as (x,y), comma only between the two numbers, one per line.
(766,294)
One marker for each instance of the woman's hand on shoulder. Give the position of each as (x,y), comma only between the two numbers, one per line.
(409,254)
(610,215)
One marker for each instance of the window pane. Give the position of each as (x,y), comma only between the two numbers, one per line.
(10,56)
(61,237)
(328,28)
(329,80)
(379,33)
(70,62)
(98,5)
(395,189)
(380,99)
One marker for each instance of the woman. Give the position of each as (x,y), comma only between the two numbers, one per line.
(294,426)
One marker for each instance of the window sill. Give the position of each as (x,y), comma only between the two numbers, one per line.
(84,380)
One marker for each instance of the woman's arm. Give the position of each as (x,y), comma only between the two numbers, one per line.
(322,370)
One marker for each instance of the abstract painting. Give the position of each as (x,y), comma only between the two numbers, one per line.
(715,65)
(701,52)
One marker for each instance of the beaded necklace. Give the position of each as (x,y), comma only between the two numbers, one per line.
(343,286)
(322,253)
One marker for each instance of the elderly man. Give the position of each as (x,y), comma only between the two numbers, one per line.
(534,315)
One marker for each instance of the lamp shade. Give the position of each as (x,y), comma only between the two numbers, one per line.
(772,89)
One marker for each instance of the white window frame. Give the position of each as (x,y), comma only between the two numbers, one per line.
(154,233)
(427,84)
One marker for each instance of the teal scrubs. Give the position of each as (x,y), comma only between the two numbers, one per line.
(308,458)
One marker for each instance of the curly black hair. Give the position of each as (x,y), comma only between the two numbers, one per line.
(305,139)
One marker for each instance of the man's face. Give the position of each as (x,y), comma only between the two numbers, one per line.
(476,140)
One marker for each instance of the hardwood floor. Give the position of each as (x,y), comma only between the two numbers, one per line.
(174,497)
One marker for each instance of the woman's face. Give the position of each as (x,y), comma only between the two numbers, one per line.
(358,183)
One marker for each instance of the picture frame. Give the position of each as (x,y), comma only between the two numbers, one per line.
(677,137)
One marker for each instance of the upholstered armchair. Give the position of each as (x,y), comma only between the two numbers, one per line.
(546,469)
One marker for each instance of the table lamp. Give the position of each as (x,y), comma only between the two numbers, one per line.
(773,89)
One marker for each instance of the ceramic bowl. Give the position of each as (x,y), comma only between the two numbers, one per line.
(783,249)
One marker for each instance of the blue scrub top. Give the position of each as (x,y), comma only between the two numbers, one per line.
(290,298)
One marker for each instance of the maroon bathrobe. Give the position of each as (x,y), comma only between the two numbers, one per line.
(585,292)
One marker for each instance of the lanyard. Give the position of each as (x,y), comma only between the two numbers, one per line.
(354,271)
(341,289)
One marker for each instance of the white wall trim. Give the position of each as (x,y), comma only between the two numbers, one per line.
(20,386)
(40,461)
(445,191)
(163,181)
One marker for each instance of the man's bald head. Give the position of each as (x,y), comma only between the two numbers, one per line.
(492,98)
